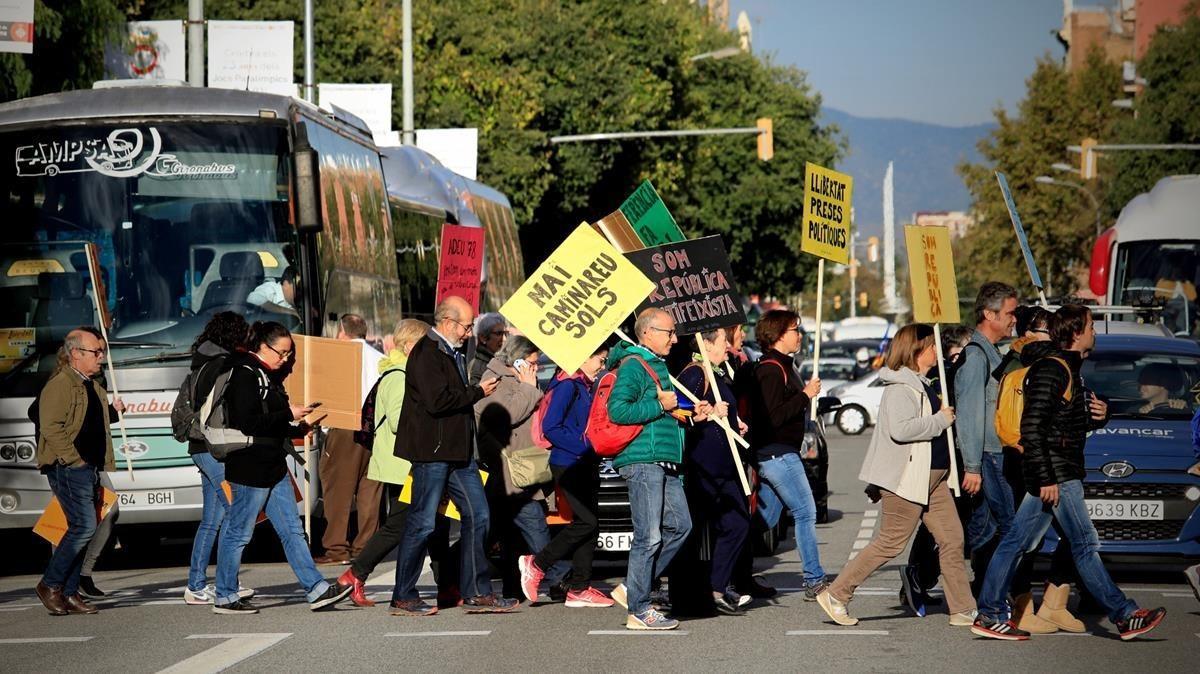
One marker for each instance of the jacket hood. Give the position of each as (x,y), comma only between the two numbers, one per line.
(902,376)
(497,367)
(394,360)
(1035,351)
(624,349)
(1019,344)
(206,352)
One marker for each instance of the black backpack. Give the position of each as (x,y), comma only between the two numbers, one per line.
(365,435)
(185,417)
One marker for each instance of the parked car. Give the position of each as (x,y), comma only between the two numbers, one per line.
(847,348)
(834,372)
(859,404)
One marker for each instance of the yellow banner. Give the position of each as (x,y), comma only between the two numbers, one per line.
(446,508)
(931,271)
(577,298)
(825,225)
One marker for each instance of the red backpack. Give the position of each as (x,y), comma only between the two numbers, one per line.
(539,414)
(608,438)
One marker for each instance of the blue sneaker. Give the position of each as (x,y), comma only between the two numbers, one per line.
(650,619)
(911,592)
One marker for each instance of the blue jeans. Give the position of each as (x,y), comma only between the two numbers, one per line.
(530,520)
(1029,526)
(212,474)
(76,490)
(993,516)
(661,523)
(430,482)
(785,475)
(279,502)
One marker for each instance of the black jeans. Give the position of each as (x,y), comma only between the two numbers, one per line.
(580,485)
(385,539)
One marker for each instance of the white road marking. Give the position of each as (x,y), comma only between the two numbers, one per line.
(234,649)
(861,543)
(871,513)
(463,633)
(46,640)
(866,532)
(869,522)
(10,609)
(1178,594)
(638,633)
(837,633)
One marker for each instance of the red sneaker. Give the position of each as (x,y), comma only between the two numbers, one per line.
(531,576)
(588,598)
(358,592)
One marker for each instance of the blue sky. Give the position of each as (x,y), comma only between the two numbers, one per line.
(939,61)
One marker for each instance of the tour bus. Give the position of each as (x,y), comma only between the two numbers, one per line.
(1152,254)
(189,199)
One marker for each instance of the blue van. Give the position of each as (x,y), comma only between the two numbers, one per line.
(1139,493)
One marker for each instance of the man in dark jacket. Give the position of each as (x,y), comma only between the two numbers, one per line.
(1057,415)
(437,434)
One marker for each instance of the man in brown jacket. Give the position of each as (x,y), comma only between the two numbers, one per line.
(74,445)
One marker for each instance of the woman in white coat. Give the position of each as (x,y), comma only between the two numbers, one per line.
(910,460)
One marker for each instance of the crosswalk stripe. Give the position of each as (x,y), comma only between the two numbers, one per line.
(837,633)
(234,649)
(46,640)
(463,633)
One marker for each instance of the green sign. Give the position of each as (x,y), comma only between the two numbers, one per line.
(649,217)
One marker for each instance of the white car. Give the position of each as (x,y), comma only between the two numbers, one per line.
(859,404)
(834,372)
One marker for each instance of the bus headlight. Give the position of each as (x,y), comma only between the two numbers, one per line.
(1192,494)
(8,501)
(25,451)
(8,452)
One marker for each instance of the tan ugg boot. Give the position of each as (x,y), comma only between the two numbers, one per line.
(1054,608)
(1027,620)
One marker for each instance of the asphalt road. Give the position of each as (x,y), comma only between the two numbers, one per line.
(145,626)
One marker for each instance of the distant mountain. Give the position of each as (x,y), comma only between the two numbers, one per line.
(924,157)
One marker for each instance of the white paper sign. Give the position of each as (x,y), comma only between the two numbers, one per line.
(153,50)
(370,102)
(252,55)
(457,149)
(16,26)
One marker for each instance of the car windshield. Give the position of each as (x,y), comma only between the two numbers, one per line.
(1145,385)
(1166,272)
(829,370)
(179,220)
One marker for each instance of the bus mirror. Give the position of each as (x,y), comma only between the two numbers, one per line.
(308,190)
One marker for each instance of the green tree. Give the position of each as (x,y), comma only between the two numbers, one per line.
(86,25)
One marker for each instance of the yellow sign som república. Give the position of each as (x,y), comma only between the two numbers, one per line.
(825,225)
(931,272)
(577,298)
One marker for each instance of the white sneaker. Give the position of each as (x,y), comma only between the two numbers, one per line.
(835,609)
(209,594)
(963,618)
(618,595)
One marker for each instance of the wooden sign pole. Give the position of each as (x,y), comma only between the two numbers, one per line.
(941,367)
(112,373)
(308,472)
(812,408)
(729,433)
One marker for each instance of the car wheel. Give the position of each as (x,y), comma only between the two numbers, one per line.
(852,419)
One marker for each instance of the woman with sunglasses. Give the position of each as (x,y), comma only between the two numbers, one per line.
(257,405)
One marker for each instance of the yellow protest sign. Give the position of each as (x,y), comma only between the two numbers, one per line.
(931,271)
(825,224)
(576,298)
(446,508)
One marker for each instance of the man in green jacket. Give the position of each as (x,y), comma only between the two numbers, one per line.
(651,464)
(74,445)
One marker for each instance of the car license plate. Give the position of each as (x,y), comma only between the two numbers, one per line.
(1114,509)
(147,499)
(615,542)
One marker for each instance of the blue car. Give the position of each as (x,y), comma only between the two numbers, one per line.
(1139,493)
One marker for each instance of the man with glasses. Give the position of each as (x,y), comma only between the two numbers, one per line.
(490,332)
(74,445)
(437,434)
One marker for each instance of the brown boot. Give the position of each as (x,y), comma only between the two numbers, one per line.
(1054,608)
(1027,620)
(52,598)
(76,604)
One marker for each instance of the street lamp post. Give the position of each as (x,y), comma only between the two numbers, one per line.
(1047,180)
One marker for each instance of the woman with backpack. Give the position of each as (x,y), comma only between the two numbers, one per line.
(910,459)
(576,474)
(221,339)
(256,404)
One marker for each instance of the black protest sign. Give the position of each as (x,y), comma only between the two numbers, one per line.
(693,283)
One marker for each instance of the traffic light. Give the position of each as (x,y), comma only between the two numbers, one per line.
(862,300)
(837,302)
(1087,159)
(766,139)
(872,249)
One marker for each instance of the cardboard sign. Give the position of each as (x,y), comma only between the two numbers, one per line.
(446,507)
(693,282)
(460,268)
(52,525)
(1034,276)
(328,371)
(616,228)
(825,223)
(16,26)
(576,298)
(649,217)
(931,270)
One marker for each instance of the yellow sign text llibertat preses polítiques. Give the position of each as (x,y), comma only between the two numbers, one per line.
(931,273)
(825,225)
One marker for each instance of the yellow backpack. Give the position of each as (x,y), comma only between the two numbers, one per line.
(1011,404)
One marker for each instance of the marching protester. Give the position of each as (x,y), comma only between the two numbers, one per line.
(87,586)
(344,464)
(223,336)
(490,332)
(713,488)
(1058,412)
(910,459)
(437,435)
(256,405)
(384,466)
(651,464)
(975,393)
(576,475)
(779,417)
(505,419)
(74,445)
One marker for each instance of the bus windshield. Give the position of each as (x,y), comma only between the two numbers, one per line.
(185,220)
(1162,271)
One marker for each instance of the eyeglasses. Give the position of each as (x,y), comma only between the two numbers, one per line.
(794,328)
(464,326)
(670,333)
(282,354)
(99,353)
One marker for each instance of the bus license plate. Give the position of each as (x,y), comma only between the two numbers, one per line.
(147,499)
(615,542)
(1113,509)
